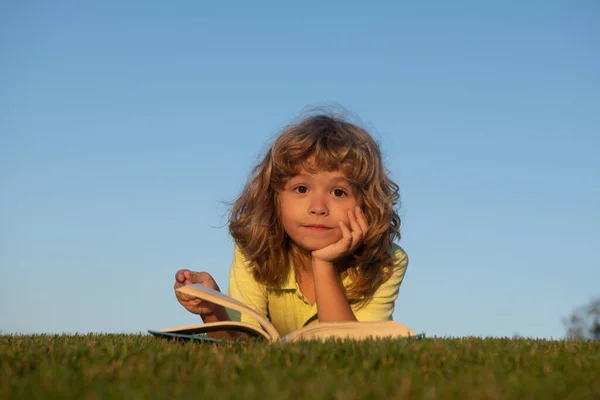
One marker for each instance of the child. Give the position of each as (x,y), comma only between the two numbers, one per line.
(313,232)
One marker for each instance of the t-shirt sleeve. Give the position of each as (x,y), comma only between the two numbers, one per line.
(243,287)
(381,306)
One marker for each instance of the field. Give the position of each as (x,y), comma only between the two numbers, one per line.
(145,367)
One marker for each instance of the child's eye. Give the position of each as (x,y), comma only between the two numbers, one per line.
(301,189)
(339,193)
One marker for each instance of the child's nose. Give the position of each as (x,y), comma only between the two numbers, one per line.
(318,206)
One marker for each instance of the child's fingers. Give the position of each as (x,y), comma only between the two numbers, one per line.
(346,240)
(188,277)
(179,275)
(199,277)
(362,220)
(357,232)
(205,279)
(181,296)
(185,297)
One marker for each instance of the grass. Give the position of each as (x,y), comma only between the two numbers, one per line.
(145,367)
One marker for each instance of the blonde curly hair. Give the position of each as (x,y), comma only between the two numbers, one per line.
(319,142)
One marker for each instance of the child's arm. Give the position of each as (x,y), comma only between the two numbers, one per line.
(329,293)
(332,304)
(379,308)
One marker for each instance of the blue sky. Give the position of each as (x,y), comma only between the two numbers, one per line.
(125,127)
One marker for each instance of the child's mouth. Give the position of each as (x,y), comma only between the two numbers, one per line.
(317,228)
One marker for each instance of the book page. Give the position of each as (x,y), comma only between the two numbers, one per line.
(219,327)
(350,330)
(208,294)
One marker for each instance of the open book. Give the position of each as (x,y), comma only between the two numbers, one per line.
(266,331)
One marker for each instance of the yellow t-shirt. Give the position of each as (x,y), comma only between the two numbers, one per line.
(288,309)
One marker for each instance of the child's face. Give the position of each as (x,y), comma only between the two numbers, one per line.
(312,205)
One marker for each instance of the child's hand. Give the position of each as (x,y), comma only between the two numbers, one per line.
(194,304)
(350,240)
